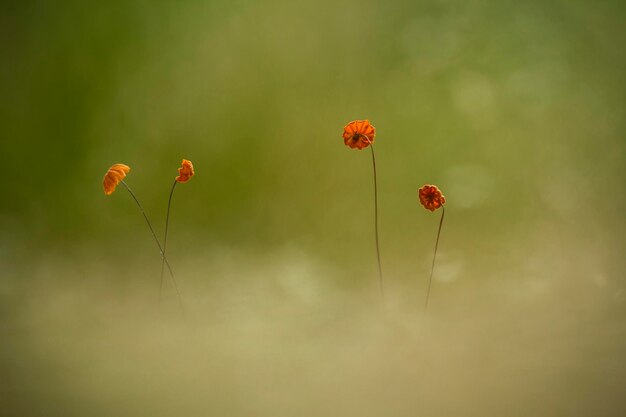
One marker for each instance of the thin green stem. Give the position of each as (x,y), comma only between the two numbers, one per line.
(145,216)
(380,269)
(432,268)
(167,221)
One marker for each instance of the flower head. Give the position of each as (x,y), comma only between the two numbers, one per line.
(359,134)
(114,175)
(431,197)
(185,172)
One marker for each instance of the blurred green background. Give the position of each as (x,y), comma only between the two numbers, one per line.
(515,110)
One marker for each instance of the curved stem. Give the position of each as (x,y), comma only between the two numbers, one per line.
(380,269)
(432,268)
(167,221)
(145,216)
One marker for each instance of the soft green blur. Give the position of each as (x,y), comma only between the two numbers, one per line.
(516,110)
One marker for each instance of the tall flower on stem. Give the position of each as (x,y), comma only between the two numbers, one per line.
(360,134)
(431,198)
(185,172)
(115,176)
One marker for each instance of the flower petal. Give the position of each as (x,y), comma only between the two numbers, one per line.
(113,176)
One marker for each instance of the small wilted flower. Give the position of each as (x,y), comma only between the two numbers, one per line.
(431,197)
(359,134)
(185,172)
(113,176)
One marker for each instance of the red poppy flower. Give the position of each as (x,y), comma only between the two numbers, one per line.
(359,134)
(185,172)
(114,175)
(431,198)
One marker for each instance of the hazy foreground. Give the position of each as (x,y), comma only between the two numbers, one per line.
(272,336)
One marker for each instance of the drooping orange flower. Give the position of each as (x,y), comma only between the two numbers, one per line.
(185,172)
(114,175)
(359,134)
(431,198)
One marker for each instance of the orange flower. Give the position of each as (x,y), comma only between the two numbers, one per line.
(114,175)
(431,197)
(359,134)
(185,172)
